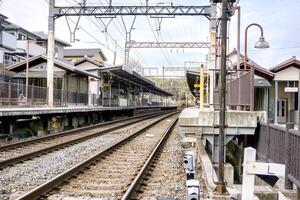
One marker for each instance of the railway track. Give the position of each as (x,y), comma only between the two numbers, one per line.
(18,152)
(111,172)
(164,177)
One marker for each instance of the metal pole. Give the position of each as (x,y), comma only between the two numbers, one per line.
(50,58)
(246,39)
(239,53)
(212,57)
(299,102)
(221,189)
(163,77)
(115,53)
(27,71)
(276,102)
(201,96)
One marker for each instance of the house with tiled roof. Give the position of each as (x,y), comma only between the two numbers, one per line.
(74,55)
(285,91)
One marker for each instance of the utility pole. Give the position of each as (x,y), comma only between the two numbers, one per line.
(27,71)
(50,58)
(163,76)
(212,52)
(115,53)
(221,189)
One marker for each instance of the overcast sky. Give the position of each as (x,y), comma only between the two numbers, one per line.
(280,20)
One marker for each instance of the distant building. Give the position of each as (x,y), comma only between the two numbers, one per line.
(16,40)
(70,83)
(59,44)
(93,67)
(74,55)
(285,90)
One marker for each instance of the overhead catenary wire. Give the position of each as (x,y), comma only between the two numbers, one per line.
(101,27)
(163,52)
(123,34)
(89,34)
(113,40)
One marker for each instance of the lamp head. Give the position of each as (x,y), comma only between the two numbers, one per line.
(262,43)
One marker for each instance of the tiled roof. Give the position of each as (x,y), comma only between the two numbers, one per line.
(44,36)
(83,52)
(290,62)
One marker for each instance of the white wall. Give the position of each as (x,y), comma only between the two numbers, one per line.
(60,51)
(34,49)
(9,40)
(288,74)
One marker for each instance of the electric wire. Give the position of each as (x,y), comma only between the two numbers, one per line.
(163,52)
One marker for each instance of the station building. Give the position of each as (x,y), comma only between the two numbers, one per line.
(278,84)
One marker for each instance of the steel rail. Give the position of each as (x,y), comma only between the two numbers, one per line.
(136,182)
(23,157)
(66,133)
(46,187)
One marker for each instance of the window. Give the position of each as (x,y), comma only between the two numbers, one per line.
(21,37)
(282,109)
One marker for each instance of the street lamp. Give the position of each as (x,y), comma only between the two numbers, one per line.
(261,44)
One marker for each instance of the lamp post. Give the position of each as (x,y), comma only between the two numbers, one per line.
(261,44)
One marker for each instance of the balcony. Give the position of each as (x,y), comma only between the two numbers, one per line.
(34,49)
(8,40)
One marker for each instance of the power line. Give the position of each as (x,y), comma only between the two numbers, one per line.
(122,34)
(166,56)
(111,38)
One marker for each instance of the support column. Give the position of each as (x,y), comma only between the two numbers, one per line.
(299,105)
(287,183)
(51,52)
(11,126)
(266,101)
(142,96)
(118,103)
(275,102)
(212,53)
(109,96)
(215,149)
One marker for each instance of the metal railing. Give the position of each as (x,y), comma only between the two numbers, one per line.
(281,145)
(14,95)
(239,89)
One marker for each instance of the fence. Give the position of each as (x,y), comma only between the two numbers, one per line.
(239,89)
(12,94)
(281,145)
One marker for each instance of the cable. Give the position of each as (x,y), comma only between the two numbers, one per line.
(166,56)
(122,34)
(110,37)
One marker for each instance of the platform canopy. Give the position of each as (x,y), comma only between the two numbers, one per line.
(42,60)
(135,78)
(192,77)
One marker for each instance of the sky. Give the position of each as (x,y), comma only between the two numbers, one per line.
(279,19)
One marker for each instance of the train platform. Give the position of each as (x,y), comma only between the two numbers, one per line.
(25,111)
